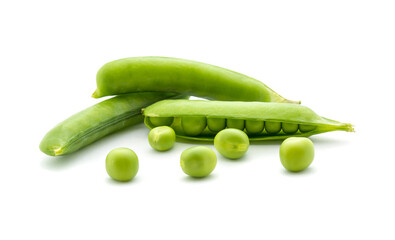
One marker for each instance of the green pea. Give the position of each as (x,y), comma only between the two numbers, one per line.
(162,138)
(272,127)
(122,164)
(289,128)
(161,121)
(231,143)
(235,123)
(296,153)
(193,126)
(254,127)
(306,128)
(198,161)
(216,124)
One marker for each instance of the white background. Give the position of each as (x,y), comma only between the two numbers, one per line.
(337,57)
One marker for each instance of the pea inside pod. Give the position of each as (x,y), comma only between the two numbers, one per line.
(216,124)
(260,120)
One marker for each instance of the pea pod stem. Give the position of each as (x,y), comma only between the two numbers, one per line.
(97,121)
(165,74)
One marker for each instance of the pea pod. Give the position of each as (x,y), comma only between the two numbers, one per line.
(164,74)
(265,121)
(98,121)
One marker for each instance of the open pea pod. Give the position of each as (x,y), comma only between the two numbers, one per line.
(201,119)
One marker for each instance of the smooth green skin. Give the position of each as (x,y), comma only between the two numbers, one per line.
(289,128)
(216,124)
(198,161)
(231,143)
(193,126)
(235,123)
(97,121)
(161,121)
(165,74)
(122,164)
(273,127)
(254,127)
(162,138)
(306,128)
(296,153)
(273,114)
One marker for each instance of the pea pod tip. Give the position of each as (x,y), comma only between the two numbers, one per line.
(95,94)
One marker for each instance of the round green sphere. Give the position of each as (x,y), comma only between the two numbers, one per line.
(161,121)
(198,161)
(231,143)
(162,138)
(122,164)
(296,153)
(193,126)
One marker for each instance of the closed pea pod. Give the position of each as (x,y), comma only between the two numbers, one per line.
(274,115)
(165,74)
(97,121)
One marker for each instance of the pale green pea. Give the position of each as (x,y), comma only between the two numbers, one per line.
(306,128)
(231,143)
(162,138)
(198,161)
(296,153)
(272,127)
(122,164)
(289,128)
(216,124)
(161,121)
(254,127)
(235,123)
(193,126)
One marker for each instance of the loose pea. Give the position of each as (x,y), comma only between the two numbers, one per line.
(231,143)
(161,121)
(193,126)
(306,128)
(216,124)
(235,123)
(122,164)
(254,127)
(296,153)
(162,138)
(289,128)
(272,127)
(198,161)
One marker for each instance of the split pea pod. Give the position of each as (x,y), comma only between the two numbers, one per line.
(165,74)
(261,121)
(98,121)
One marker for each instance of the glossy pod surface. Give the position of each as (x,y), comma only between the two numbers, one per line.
(277,120)
(165,74)
(98,121)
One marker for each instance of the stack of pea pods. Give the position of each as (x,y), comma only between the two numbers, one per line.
(155,90)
